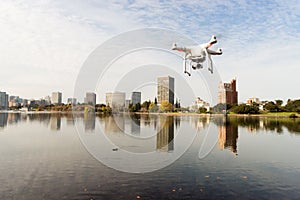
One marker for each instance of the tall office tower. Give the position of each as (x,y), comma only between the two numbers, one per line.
(115,99)
(3,101)
(72,101)
(136,98)
(227,93)
(90,98)
(56,98)
(165,89)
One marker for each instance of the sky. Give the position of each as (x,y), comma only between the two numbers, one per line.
(45,43)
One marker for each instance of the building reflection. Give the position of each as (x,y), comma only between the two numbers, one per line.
(55,122)
(200,122)
(89,122)
(114,124)
(165,135)
(228,136)
(3,119)
(135,122)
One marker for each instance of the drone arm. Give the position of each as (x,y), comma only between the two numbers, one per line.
(209,61)
(182,49)
(212,52)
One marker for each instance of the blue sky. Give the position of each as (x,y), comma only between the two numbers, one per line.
(44,43)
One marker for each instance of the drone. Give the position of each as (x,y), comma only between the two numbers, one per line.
(197,55)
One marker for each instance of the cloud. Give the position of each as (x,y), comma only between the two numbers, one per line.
(49,40)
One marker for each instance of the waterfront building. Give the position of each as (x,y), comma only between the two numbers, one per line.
(228,93)
(56,98)
(90,98)
(136,98)
(3,101)
(165,89)
(24,103)
(127,102)
(200,103)
(252,100)
(115,99)
(47,100)
(72,101)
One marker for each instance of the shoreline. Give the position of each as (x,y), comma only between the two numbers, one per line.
(269,115)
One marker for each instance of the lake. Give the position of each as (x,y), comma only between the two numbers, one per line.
(77,156)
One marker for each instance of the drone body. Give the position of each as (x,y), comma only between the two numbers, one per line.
(198,54)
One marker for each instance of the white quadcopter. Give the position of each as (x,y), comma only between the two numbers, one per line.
(197,55)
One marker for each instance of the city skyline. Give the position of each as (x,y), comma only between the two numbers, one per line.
(253,35)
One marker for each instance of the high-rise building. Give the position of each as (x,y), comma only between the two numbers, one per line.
(56,98)
(115,99)
(3,101)
(136,97)
(90,98)
(227,93)
(165,89)
(72,101)
(47,100)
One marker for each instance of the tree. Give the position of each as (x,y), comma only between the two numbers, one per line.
(278,102)
(202,110)
(271,106)
(155,101)
(153,107)
(245,109)
(166,107)
(292,105)
(145,106)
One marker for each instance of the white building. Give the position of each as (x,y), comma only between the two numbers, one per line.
(90,98)
(199,103)
(115,99)
(72,101)
(165,89)
(56,98)
(253,100)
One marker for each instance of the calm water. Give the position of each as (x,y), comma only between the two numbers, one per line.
(43,157)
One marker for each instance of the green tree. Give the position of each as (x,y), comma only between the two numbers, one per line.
(145,106)
(202,110)
(278,102)
(292,105)
(155,101)
(245,109)
(153,107)
(271,106)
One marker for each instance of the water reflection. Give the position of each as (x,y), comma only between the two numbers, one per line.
(55,122)
(89,122)
(134,124)
(228,135)
(165,135)
(3,119)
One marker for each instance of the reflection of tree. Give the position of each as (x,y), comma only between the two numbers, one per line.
(268,123)
(165,135)
(228,135)
(277,124)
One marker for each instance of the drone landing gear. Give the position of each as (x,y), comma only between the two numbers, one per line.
(184,64)
(188,73)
